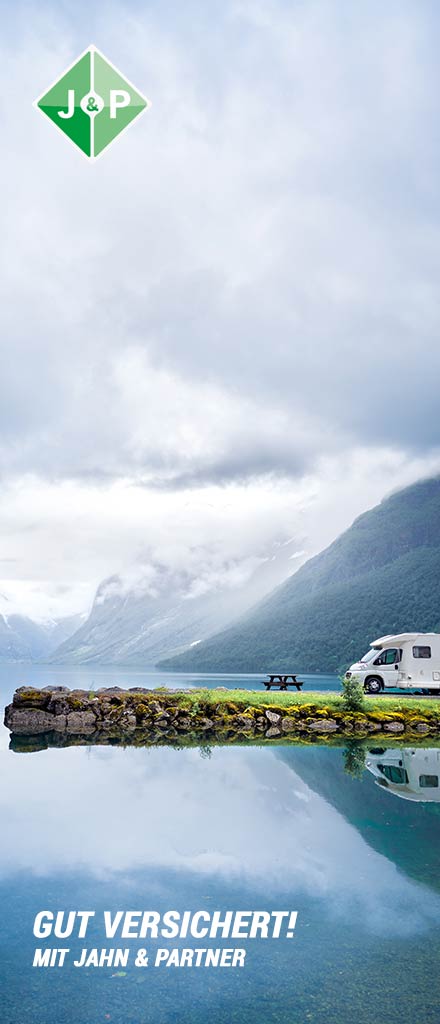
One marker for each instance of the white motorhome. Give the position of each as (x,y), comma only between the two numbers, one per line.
(404,661)
(410,774)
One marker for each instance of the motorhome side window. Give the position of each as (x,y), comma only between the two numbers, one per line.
(389,657)
(428,781)
(421,652)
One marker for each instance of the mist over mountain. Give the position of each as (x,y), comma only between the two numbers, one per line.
(154,610)
(382,575)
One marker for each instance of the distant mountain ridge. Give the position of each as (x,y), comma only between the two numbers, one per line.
(381,576)
(24,640)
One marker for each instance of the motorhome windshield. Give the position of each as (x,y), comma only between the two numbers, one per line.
(370,655)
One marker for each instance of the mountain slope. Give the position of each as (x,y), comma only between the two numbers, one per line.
(381,576)
(156,611)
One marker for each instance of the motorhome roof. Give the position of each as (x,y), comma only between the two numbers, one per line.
(399,638)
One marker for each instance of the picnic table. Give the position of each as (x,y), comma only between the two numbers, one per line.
(282,681)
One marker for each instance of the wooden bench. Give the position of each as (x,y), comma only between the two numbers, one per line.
(281,682)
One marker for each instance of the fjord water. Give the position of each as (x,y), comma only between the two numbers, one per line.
(279,827)
(92,678)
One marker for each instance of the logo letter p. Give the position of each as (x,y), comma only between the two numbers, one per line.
(118,98)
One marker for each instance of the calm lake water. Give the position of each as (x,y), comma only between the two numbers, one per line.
(12,676)
(251,828)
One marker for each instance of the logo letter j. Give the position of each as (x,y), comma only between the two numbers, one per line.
(70,105)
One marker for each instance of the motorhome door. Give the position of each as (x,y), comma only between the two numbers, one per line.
(388,662)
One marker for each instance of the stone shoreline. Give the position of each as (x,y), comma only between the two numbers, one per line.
(141,717)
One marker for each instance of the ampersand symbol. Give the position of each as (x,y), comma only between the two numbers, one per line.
(92,104)
(141,959)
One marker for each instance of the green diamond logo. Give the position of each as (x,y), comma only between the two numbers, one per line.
(92,103)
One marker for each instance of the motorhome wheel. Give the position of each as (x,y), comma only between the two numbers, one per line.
(373,684)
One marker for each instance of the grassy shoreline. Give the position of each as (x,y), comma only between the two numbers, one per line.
(325,698)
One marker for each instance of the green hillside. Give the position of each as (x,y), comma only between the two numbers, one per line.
(381,576)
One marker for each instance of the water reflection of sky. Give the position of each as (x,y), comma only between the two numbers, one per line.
(243,816)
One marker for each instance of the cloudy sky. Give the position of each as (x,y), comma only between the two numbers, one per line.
(224,332)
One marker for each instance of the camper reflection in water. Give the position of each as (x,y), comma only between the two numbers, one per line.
(413,774)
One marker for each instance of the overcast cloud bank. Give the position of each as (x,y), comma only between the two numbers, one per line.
(228,327)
